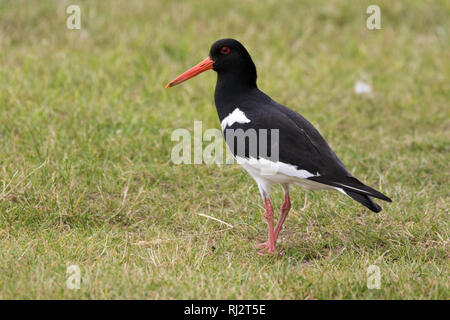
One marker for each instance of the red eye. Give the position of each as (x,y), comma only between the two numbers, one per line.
(224,50)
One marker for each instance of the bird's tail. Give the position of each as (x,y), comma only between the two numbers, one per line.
(356,190)
(364,200)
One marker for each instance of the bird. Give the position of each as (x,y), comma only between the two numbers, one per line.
(303,157)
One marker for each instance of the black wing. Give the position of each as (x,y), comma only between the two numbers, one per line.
(332,171)
(301,145)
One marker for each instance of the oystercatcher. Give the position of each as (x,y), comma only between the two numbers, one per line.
(303,156)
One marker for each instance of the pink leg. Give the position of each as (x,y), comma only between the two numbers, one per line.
(284,212)
(285,207)
(268,246)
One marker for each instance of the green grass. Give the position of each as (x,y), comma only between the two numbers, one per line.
(85,170)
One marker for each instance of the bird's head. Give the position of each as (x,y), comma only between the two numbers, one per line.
(226,56)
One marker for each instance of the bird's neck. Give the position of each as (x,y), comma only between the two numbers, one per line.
(231,90)
(239,78)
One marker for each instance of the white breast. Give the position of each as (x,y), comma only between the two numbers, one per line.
(266,173)
(237,116)
(277,172)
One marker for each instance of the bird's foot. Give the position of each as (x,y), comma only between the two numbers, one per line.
(267,248)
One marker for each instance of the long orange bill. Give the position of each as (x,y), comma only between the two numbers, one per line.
(206,64)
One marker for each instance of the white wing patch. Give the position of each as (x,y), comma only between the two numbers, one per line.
(236,116)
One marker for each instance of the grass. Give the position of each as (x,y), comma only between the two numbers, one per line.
(85,170)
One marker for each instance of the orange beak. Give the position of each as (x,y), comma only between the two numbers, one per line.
(206,64)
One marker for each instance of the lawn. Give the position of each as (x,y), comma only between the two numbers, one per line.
(86,176)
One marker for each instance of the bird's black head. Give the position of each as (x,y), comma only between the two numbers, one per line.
(230,59)
(230,55)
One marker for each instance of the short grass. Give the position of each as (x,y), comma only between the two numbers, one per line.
(85,170)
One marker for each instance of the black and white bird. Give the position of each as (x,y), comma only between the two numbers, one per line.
(303,156)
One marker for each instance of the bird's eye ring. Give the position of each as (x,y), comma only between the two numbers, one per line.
(225,50)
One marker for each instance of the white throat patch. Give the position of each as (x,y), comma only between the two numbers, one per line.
(236,116)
